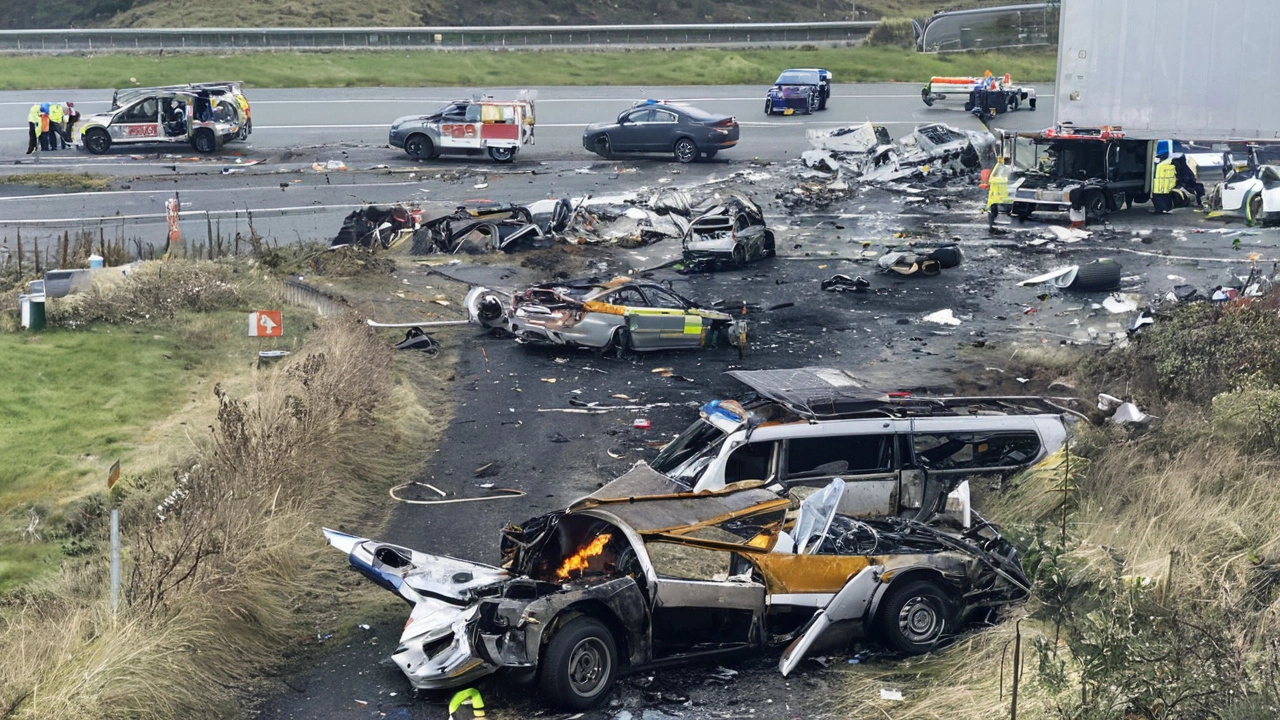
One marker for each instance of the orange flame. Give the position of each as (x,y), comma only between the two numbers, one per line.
(581,560)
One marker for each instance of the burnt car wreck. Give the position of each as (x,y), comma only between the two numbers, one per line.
(621,315)
(730,232)
(488,228)
(647,571)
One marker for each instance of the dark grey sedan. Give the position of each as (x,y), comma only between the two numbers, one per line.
(655,126)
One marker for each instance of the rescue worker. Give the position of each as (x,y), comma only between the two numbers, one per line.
(55,127)
(71,116)
(44,127)
(998,191)
(33,127)
(469,698)
(1162,184)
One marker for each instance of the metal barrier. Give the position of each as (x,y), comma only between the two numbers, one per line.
(451,38)
(299,293)
(987,28)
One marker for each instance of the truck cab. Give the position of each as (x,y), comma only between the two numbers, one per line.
(1098,169)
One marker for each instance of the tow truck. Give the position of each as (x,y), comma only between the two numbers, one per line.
(987,96)
(1099,169)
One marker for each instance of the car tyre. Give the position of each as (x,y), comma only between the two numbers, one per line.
(770,247)
(619,343)
(739,256)
(810,104)
(1254,210)
(1097,276)
(915,616)
(685,150)
(419,147)
(822,102)
(502,154)
(205,141)
(579,664)
(1095,204)
(97,140)
(603,148)
(710,154)
(1023,211)
(768,106)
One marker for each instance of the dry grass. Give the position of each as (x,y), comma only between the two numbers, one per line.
(214,574)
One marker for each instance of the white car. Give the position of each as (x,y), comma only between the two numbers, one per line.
(1251,188)
(204,115)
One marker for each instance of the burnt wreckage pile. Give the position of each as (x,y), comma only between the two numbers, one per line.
(868,532)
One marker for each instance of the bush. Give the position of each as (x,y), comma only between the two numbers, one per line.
(1249,416)
(155,290)
(893,32)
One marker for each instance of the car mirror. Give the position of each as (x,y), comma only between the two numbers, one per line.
(622,119)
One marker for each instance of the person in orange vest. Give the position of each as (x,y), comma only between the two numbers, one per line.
(45,138)
(33,127)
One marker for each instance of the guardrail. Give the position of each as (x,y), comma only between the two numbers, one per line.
(987,28)
(450,38)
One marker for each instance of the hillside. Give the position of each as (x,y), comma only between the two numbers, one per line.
(329,13)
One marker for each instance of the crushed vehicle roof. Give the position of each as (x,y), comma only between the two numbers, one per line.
(829,393)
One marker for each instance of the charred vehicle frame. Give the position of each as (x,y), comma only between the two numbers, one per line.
(732,231)
(619,315)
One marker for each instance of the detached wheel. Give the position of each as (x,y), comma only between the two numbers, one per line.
(419,147)
(914,617)
(1096,276)
(579,664)
(205,141)
(686,150)
(97,140)
(502,154)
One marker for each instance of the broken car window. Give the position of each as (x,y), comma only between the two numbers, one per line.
(628,297)
(750,462)
(685,562)
(660,299)
(817,457)
(688,454)
(967,451)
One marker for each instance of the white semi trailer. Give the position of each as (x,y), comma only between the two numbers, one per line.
(1186,69)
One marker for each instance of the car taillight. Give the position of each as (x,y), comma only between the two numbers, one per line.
(728,123)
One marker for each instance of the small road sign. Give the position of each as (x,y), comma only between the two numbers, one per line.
(265,323)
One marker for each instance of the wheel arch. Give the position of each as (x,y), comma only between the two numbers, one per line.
(596,609)
(903,577)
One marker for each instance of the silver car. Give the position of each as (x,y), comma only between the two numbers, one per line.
(204,116)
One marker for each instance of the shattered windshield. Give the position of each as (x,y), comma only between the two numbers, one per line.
(686,456)
(1029,156)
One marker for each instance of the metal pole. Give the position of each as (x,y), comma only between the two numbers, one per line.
(115,560)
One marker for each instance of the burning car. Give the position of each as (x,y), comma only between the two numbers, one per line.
(799,90)
(618,315)
(645,572)
(732,231)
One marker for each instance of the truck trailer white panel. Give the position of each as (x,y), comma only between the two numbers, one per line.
(1188,69)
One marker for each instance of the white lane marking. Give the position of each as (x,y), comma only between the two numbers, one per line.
(192,191)
(451,98)
(303,209)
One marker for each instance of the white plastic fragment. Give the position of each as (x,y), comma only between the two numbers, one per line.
(942,317)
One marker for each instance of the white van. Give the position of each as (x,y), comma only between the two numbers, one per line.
(899,455)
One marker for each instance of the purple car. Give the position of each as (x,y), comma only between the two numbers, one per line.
(799,90)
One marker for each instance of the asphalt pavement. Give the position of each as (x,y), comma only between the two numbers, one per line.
(271,178)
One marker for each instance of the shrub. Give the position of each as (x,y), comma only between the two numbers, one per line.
(894,32)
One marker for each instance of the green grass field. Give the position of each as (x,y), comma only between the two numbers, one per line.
(76,400)
(502,69)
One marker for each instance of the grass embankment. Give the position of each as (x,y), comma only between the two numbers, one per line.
(73,182)
(131,383)
(224,564)
(503,69)
(1162,598)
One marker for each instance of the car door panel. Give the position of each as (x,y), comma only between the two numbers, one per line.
(696,606)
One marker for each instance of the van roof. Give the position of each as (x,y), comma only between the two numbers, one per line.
(823,393)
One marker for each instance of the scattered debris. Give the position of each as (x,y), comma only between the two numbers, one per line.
(377,227)
(490,228)
(844,283)
(732,233)
(935,151)
(942,317)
